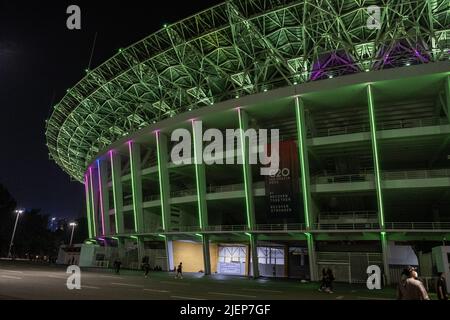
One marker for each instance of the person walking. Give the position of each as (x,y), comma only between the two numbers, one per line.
(117,264)
(329,281)
(410,288)
(323,284)
(179,271)
(146,269)
(441,287)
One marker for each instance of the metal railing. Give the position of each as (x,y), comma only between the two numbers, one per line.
(385,125)
(348,215)
(411,123)
(415,174)
(417,225)
(346,226)
(183,193)
(300,227)
(346,178)
(226,188)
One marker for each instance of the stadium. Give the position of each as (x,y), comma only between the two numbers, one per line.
(363,116)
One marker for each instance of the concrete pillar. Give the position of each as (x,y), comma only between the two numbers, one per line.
(136,183)
(247,172)
(164,183)
(378,187)
(202,206)
(206,254)
(305,185)
(385,253)
(121,249)
(104,196)
(254,251)
(447,96)
(313,272)
(93,192)
(88,206)
(116,174)
(169,252)
(141,250)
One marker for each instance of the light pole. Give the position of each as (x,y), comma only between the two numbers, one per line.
(18,213)
(73,225)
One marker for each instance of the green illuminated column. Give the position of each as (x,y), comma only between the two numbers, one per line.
(94,203)
(136,184)
(305,183)
(248,187)
(104,196)
(200,175)
(88,206)
(376,165)
(116,174)
(164,184)
(447,96)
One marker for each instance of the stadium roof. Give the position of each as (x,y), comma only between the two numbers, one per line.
(238,48)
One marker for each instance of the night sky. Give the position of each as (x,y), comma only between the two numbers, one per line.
(39,59)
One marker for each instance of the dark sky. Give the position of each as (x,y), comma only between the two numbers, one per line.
(39,59)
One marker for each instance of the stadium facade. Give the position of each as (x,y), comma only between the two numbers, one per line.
(363,115)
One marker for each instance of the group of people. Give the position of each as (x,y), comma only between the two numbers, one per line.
(411,288)
(327,281)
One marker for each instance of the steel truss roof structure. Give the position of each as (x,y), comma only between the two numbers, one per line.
(238,48)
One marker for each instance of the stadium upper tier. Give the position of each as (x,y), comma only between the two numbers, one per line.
(238,48)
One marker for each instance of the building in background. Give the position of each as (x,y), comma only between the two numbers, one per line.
(363,116)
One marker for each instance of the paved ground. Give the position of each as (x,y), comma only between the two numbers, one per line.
(20,280)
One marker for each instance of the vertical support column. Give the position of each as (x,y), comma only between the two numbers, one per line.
(116,174)
(385,253)
(121,249)
(200,175)
(136,185)
(447,96)
(379,192)
(206,254)
(94,205)
(103,197)
(305,184)
(248,187)
(247,173)
(88,206)
(164,184)
(254,253)
(169,250)
(141,250)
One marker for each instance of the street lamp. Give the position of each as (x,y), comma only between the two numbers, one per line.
(73,225)
(18,213)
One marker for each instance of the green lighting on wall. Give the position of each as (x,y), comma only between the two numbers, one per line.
(373,135)
(161,191)
(91,182)
(88,206)
(113,170)
(133,187)
(302,153)
(244,166)
(197,178)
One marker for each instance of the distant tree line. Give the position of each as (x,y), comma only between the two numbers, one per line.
(33,237)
